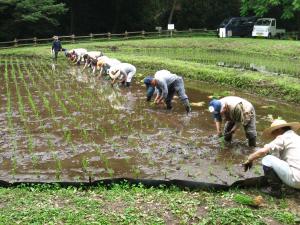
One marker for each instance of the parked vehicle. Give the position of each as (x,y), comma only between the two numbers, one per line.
(237,26)
(266,27)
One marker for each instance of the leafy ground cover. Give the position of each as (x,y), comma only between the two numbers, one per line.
(121,204)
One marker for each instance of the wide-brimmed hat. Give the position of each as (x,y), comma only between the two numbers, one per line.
(100,63)
(114,73)
(279,123)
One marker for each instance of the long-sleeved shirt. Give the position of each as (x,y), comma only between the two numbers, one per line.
(237,109)
(79,52)
(56,46)
(164,79)
(124,69)
(94,54)
(107,62)
(288,145)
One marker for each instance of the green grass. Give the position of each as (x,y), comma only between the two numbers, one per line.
(121,204)
(198,58)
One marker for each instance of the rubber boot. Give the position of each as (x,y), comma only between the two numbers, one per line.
(228,137)
(274,182)
(252,142)
(169,105)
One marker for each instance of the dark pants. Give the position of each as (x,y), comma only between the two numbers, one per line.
(250,129)
(55,56)
(177,87)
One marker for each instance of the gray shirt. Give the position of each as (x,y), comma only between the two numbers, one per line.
(164,79)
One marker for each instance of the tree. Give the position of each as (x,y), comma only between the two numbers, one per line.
(29,16)
(261,7)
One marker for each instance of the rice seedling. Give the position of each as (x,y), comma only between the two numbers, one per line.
(58,166)
(85,164)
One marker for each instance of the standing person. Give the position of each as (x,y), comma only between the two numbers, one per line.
(167,84)
(235,111)
(286,168)
(56,47)
(123,72)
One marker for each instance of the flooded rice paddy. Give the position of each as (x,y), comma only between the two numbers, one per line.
(68,125)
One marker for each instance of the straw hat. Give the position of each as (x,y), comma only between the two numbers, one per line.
(100,63)
(277,124)
(115,73)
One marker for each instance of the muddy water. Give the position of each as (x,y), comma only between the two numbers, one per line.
(81,127)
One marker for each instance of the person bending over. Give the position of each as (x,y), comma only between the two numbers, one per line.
(235,111)
(167,84)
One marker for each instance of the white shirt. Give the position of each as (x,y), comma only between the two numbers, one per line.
(125,70)
(94,54)
(288,145)
(110,62)
(80,51)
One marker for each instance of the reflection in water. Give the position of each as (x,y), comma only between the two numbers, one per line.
(83,127)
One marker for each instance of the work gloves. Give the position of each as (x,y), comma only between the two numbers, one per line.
(247,165)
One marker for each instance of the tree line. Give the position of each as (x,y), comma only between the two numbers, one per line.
(43,18)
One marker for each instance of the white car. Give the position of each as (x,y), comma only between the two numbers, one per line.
(266,27)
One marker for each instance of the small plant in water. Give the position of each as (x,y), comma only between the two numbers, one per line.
(111,172)
(84,164)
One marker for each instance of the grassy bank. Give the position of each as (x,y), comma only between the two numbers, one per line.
(137,205)
(224,61)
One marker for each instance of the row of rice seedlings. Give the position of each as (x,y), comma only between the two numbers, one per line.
(10,120)
(66,131)
(24,116)
(91,95)
(89,101)
(50,143)
(67,135)
(31,101)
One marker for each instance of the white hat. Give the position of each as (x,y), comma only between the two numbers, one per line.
(277,124)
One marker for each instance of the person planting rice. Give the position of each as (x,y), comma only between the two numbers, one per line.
(123,72)
(90,59)
(76,55)
(235,111)
(104,64)
(286,168)
(56,47)
(167,84)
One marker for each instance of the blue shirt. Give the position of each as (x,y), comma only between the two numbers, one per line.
(56,45)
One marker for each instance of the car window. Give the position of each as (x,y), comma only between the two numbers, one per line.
(224,23)
(273,23)
(265,22)
(235,23)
